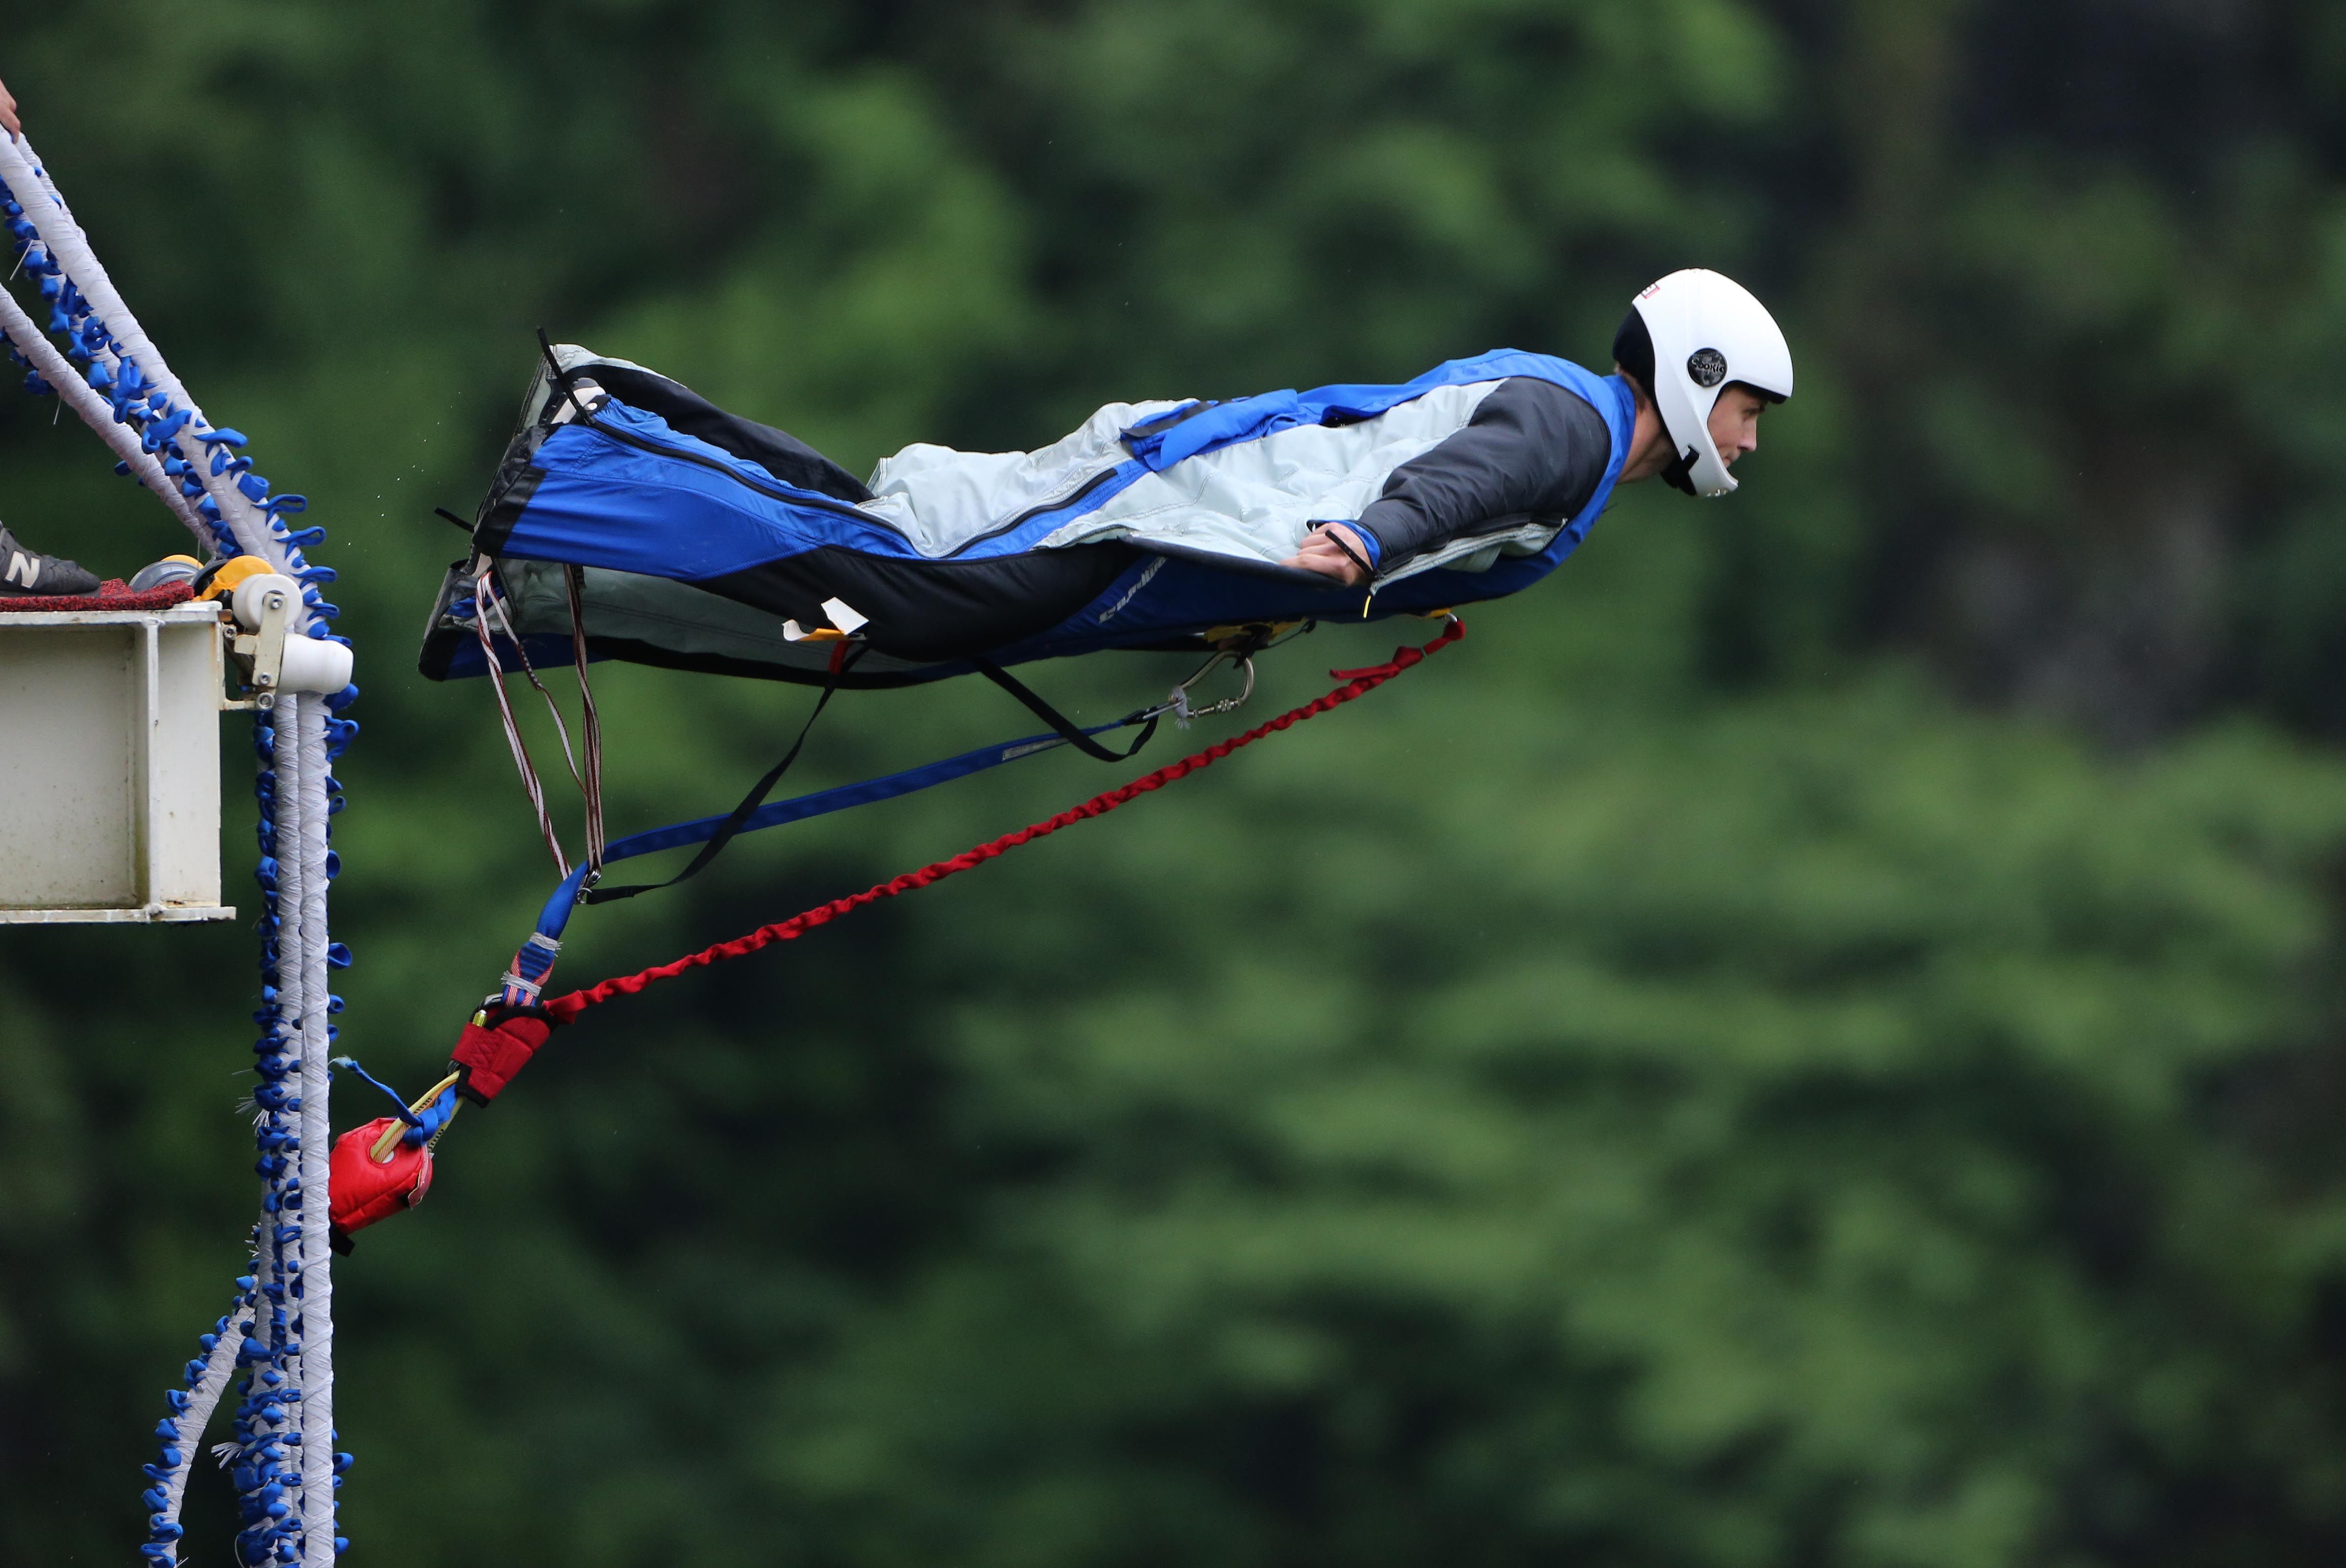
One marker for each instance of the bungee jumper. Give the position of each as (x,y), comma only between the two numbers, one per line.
(631,519)
(710,541)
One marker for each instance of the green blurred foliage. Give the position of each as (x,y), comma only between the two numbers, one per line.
(1810,1039)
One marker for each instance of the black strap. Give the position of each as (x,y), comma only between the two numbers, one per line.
(1368,572)
(750,802)
(1068,730)
(562,378)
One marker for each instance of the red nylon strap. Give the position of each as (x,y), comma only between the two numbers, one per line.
(1357,683)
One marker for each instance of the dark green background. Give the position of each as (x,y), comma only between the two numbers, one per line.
(1811,1039)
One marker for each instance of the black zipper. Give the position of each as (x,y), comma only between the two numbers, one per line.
(1086,488)
(793,497)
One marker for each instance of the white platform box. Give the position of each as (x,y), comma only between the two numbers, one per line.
(109,765)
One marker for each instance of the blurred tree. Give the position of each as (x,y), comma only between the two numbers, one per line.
(2073,264)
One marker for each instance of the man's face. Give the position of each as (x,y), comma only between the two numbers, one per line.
(1735,422)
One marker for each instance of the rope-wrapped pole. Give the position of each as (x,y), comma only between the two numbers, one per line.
(271,1505)
(307,722)
(282,1457)
(62,380)
(45,208)
(294,1003)
(204,1380)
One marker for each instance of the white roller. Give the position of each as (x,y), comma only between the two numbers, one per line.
(246,598)
(313,664)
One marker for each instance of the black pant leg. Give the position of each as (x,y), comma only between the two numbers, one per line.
(933,610)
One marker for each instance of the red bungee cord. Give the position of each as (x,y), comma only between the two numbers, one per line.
(376,1174)
(1357,683)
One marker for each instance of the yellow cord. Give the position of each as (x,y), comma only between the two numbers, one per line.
(383,1145)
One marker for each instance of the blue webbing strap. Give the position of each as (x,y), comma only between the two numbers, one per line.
(735,820)
(821,802)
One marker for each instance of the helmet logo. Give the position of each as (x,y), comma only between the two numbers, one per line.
(1706,366)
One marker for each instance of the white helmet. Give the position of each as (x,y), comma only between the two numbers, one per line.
(1707,330)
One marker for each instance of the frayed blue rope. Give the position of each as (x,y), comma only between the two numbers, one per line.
(398,1100)
(422,1125)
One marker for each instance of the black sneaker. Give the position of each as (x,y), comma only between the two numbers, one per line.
(23,573)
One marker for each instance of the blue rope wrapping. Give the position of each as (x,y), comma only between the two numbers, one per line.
(138,402)
(192,1403)
(264,1452)
(262,1463)
(424,1126)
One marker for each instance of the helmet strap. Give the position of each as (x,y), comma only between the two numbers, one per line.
(1677,474)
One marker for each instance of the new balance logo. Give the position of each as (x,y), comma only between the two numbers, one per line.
(23,570)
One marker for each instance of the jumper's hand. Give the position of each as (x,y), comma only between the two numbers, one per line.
(1320,553)
(8,112)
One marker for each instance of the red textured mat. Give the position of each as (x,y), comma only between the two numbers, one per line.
(114,593)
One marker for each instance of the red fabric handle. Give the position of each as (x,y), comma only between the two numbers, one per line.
(491,1055)
(1357,683)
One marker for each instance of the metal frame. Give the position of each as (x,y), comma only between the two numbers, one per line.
(174,670)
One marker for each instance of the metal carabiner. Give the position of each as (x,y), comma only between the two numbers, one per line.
(1178,702)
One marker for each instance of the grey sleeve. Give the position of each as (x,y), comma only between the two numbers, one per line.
(1532,449)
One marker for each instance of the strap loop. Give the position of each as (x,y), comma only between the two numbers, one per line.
(741,814)
(1067,729)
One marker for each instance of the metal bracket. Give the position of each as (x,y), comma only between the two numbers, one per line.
(258,656)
